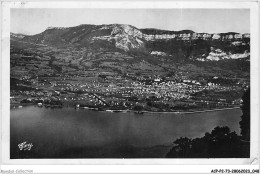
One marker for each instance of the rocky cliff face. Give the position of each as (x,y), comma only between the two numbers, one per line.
(128,37)
(194,36)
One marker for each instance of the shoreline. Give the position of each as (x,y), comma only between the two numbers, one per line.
(174,112)
(133,111)
(192,112)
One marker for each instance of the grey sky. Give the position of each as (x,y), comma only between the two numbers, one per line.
(33,21)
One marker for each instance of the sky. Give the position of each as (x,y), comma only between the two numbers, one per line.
(34,20)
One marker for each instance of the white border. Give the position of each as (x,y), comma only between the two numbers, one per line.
(5,77)
(151,169)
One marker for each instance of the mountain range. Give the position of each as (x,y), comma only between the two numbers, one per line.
(105,46)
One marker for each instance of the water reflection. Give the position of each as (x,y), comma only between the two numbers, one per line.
(83,133)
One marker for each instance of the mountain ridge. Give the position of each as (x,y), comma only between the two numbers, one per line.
(163,30)
(184,43)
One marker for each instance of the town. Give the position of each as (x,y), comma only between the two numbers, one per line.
(128,93)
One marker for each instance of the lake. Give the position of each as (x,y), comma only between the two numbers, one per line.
(70,133)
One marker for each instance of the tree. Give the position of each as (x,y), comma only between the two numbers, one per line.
(138,108)
(220,143)
(245,118)
(181,149)
(223,144)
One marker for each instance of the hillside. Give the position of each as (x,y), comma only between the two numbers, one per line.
(125,48)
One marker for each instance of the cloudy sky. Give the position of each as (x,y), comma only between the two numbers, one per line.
(33,21)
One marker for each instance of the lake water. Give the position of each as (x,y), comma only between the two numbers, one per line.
(70,133)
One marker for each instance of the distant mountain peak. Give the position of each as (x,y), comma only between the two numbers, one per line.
(58,28)
(17,35)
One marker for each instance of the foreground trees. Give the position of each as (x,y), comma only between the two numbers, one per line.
(245,118)
(220,143)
